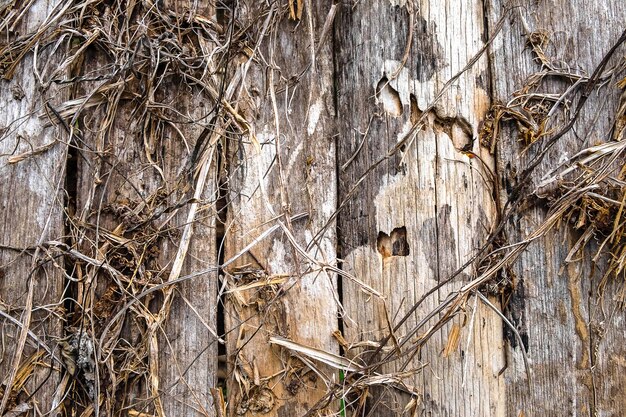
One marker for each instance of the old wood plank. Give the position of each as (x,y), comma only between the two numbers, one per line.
(283,167)
(32,166)
(572,341)
(425,211)
(136,188)
(188,344)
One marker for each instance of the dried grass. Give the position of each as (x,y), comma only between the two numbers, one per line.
(117,270)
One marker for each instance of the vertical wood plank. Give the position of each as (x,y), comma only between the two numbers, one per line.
(283,168)
(188,343)
(32,165)
(425,211)
(555,305)
(138,182)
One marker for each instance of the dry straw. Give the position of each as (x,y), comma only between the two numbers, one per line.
(144,51)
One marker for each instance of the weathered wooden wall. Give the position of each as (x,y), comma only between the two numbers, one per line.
(137,212)
(154,214)
(423,212)
(282,174)
(278,172)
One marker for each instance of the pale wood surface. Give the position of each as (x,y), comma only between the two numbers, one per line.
(290,171)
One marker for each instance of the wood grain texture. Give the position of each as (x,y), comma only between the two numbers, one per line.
(431,193)
(136,188)
(293,107)
(555,305)
(188,343)
(32,164)
(287,99)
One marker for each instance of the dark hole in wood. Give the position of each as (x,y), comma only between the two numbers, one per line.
(380,86)
(394,244)
(416,113)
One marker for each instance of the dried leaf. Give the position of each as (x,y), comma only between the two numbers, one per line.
(330,359)
(453,340)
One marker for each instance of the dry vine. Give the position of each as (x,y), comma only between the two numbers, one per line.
(124,287)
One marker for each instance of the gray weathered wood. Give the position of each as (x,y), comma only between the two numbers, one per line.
(134,196)
(430,197)
(555,305)
(32,162)
(304,104)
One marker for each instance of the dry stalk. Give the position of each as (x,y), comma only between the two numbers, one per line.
(115,248)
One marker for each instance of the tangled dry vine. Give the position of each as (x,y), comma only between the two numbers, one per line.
(129,81)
